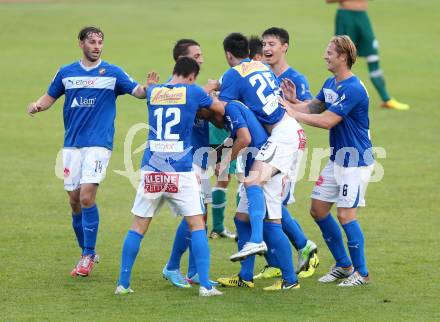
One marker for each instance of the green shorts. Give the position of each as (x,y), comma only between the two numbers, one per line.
(356,24)
(217,136)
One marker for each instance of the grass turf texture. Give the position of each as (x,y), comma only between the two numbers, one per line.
(38,248)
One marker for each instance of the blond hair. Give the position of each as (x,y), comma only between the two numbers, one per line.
(344,45)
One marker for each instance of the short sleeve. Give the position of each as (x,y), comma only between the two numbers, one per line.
(235,119)
(204,100)
(229,89)
(320,95)
(56,87)
(124,83)
(303,90)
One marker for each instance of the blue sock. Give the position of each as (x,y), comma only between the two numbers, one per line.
(257,211)
(356,246)
(333,237)
(270,257)
(293,230)
(90,222)
(244,234)
(181,243)
(192,267)
(78,229)
(130,250)
(200,248)
(279,245)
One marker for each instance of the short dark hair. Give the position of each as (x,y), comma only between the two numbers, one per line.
(87,31)
(237,45)
(280,33)
(181,47)
(186,66)
(255,46)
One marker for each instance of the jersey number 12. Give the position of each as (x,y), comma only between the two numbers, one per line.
(173,112)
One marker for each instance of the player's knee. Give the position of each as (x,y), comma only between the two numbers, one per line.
(87,201)
(346,216)
(316,213)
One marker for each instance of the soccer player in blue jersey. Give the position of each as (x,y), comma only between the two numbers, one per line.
(249,136)
(342,107)
(200,140)
(275,45)
(254,84)
(167,170)
(91,87)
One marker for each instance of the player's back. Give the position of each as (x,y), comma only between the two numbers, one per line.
(254,84)
(238,115)
(171,113)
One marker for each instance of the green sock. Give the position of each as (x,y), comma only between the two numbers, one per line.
(376,76)
(218,209)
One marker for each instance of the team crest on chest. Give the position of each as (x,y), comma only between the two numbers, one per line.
(330,95)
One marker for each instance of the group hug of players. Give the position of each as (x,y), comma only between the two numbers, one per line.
(260,101)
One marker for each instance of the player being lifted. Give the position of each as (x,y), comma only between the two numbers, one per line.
(275,44)
(167,170)
(249,136)
(253,83)
(91,87)
(342,107)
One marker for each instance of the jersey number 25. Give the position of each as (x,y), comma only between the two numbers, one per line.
(270,102)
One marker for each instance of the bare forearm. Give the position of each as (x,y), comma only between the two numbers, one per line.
(140,92)
(44,102)
(315,120)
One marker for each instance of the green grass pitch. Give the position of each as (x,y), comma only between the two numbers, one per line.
(37,244)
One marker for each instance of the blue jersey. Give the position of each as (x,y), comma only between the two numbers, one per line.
(301,83)
(200,139)
(171,112)
(349,139)
(237,116)
(253,84)
(90,102)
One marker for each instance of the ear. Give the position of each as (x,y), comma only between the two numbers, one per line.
(192,78)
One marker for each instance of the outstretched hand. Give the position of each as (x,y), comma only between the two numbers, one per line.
(152,78)
(289,90)
(286,105)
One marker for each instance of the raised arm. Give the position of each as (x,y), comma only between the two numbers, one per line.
(42,104)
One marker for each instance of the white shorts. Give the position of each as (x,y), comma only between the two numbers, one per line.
(281,148)
(274,190)
(345,186)
(84,165)
(205,183)
(180,189)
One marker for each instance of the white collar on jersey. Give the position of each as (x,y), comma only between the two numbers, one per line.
(87,69)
